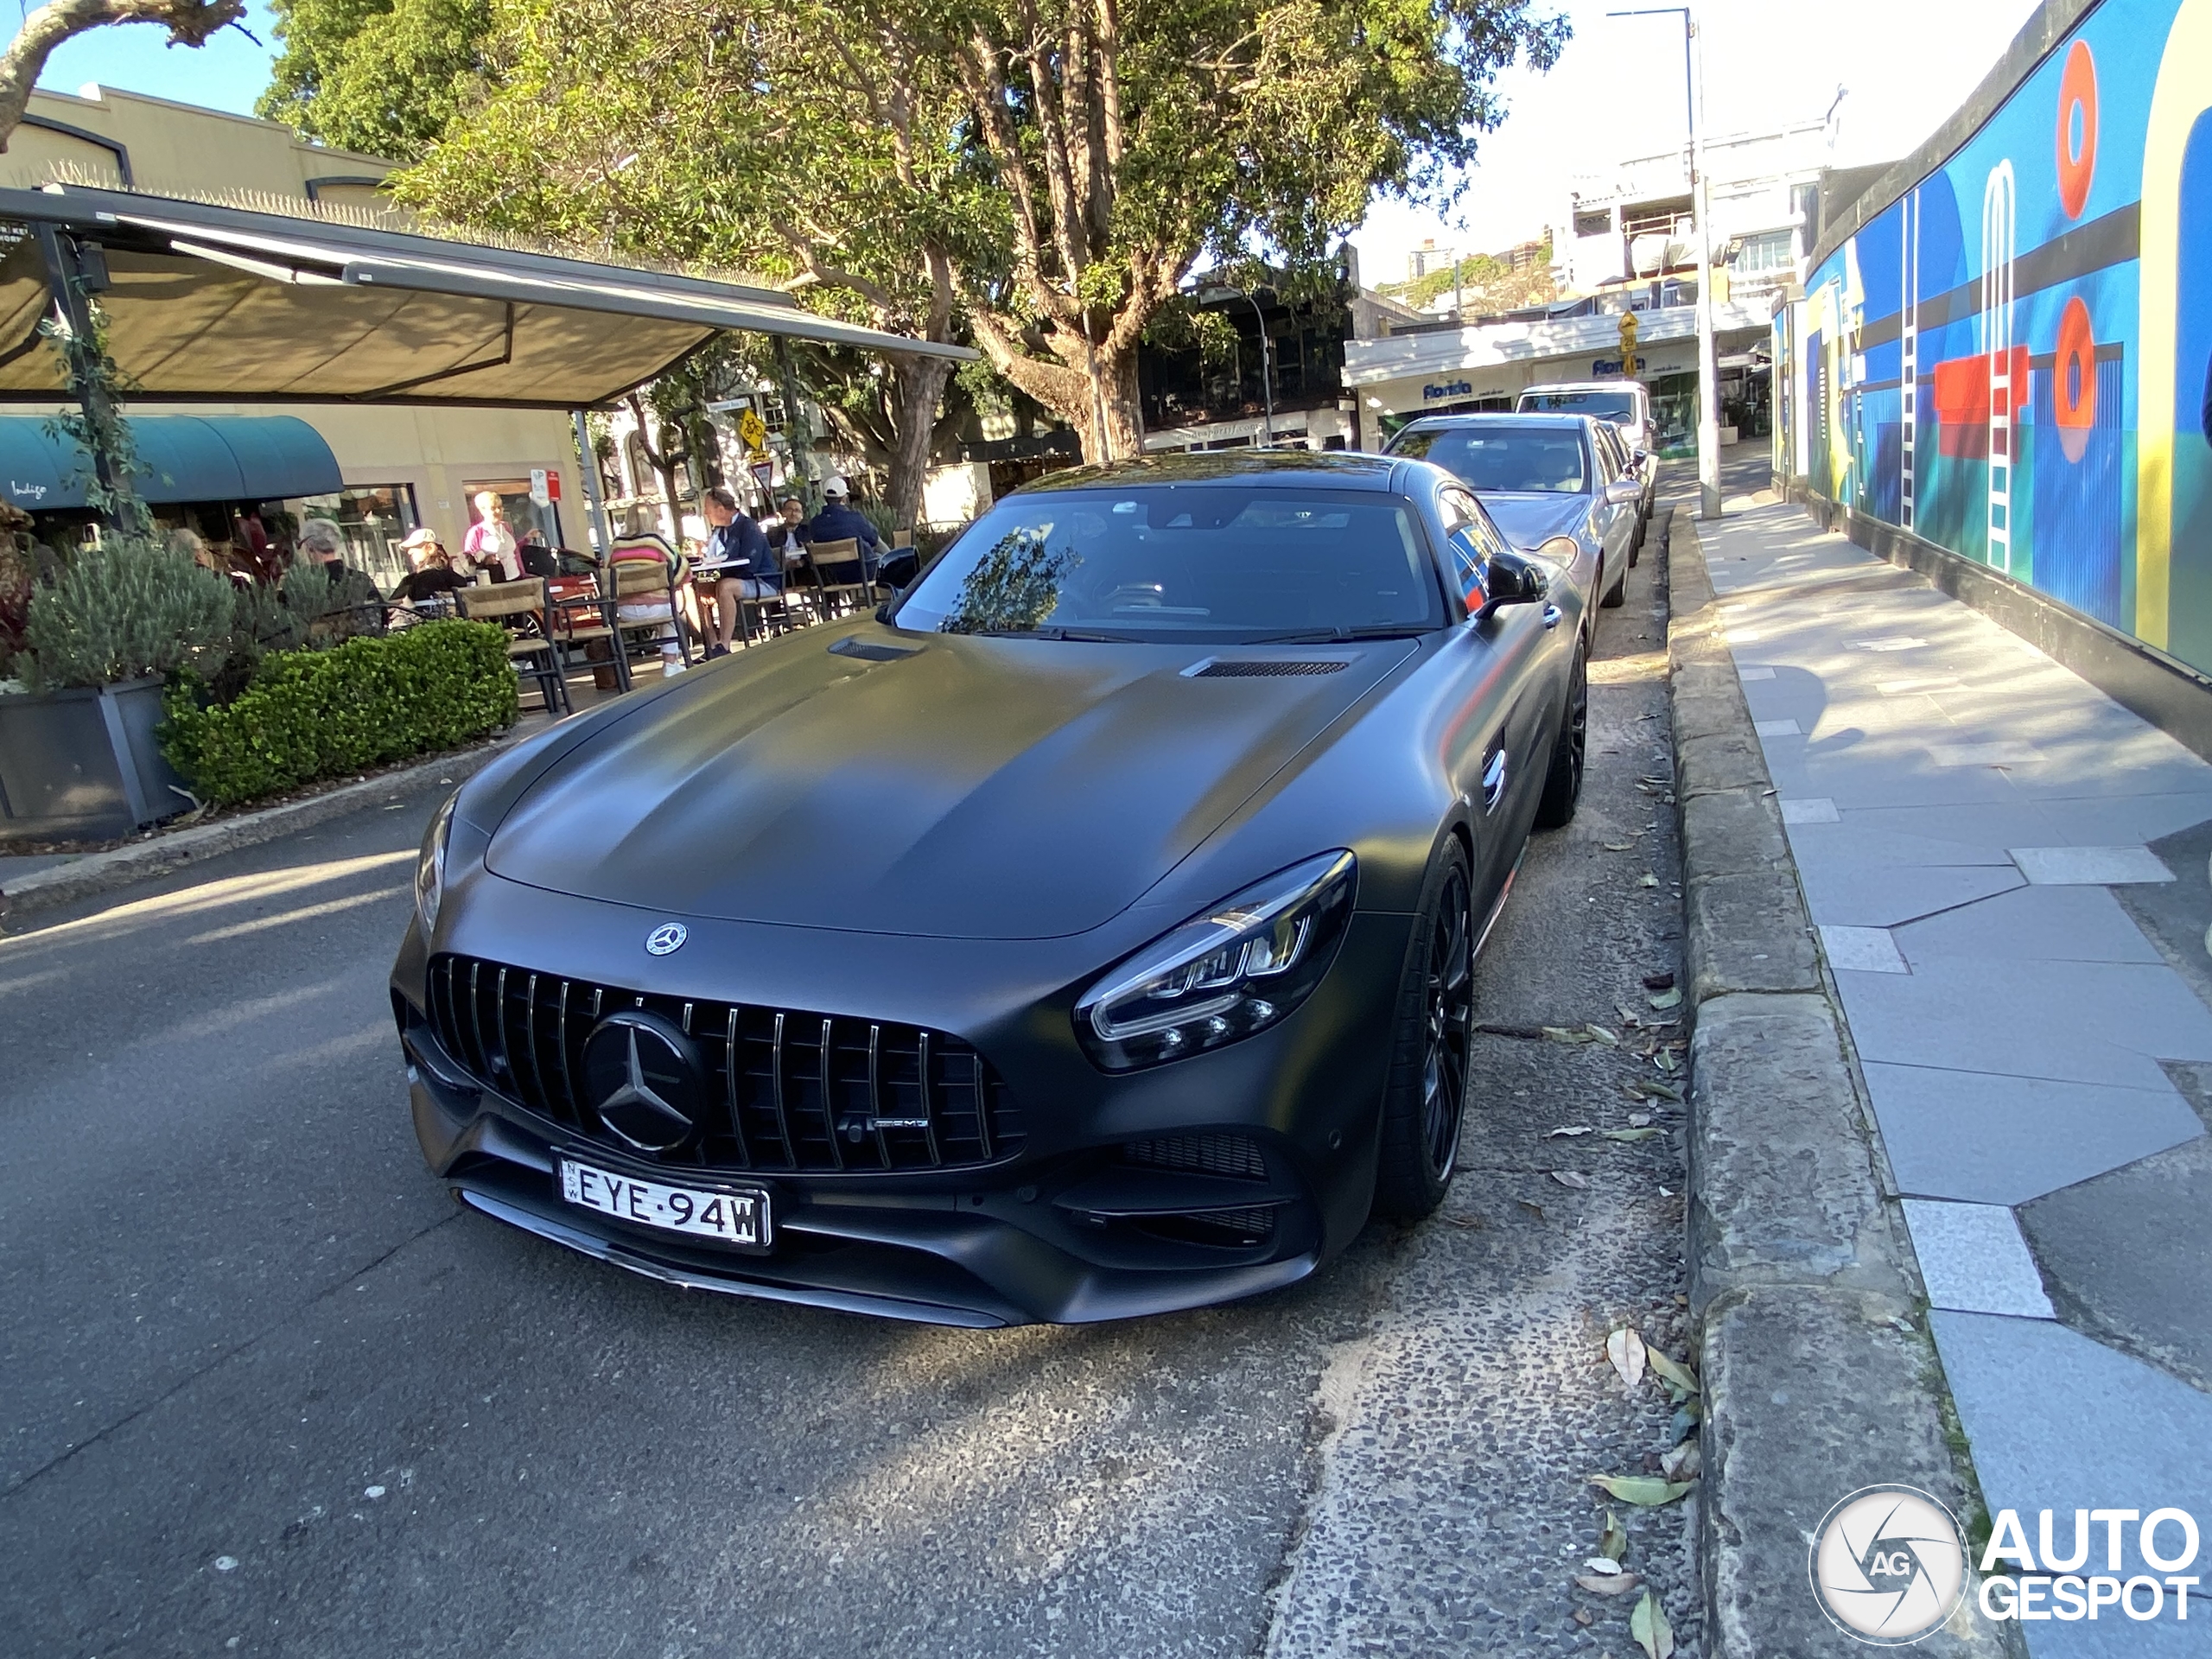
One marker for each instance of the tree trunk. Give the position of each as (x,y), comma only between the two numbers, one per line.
(918,386)
(1124,407)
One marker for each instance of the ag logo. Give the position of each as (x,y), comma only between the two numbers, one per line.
(666,939)
(1889,1565)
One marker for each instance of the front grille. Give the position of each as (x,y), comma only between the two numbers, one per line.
(786,1090)
(1206,1155)
(1247,668)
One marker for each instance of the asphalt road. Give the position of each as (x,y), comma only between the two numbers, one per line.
(270,1392)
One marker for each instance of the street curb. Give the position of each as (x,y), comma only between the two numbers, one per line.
(96,873)
(1820,1376)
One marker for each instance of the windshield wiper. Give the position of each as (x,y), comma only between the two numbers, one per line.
(1085,636)
(1334,636)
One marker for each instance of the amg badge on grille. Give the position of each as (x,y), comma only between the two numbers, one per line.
(666,939)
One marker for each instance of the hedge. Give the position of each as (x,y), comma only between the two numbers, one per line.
(309,714)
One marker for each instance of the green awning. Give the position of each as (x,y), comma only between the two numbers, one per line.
(181,458)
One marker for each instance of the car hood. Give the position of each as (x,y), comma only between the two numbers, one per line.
(978,788)
(1528,519)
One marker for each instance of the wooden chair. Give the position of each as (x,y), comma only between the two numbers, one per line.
(902,538)
(535,656)
(843,575)
(639,583)
(582,619)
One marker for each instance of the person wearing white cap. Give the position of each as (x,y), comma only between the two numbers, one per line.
(838,523)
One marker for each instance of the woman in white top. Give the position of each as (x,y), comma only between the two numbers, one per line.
(490,545)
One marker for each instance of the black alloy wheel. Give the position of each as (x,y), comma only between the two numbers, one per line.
(1563,782)
(1429,1075)
(1448,1027)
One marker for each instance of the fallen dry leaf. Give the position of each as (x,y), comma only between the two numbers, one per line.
(1583,1617)
(1566,1130)
(1620,846)
(1625,1349)
(1648,1625)
(1685,1462)
(1669,998)
(1569,1178)
(1604,1565)
(1647,879)
(1637,1120)
(1562,1034)
(1674,1371)
(1660,981)
(1612,1543)
(1535,1210)
(1646,1491)
(1629,1134)
(1619,1585)
(1599,1033)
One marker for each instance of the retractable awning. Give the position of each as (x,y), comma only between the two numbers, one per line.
(181,458)
(207,302)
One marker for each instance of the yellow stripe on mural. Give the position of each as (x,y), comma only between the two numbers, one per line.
(2184,92)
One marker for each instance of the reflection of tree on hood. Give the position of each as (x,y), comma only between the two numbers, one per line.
(1014,586)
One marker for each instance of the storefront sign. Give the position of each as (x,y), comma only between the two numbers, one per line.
(540,491)
(1449,389)
(1604,366)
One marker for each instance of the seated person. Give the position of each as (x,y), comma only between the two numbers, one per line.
(323,542)
(539,558)
(786,532)
(748,570)
(432,574)
(838,522)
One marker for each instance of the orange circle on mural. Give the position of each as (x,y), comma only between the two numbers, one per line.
(2074,379)
(2077,129)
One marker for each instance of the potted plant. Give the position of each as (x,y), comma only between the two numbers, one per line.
(78,754)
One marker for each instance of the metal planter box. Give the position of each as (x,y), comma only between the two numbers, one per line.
(82,764)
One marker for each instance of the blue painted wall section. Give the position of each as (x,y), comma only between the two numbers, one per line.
(2014,361)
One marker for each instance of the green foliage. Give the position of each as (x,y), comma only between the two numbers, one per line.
(123,610)
(1013,586)
(1486,282)
(310,714)
(386,77)
(97,425)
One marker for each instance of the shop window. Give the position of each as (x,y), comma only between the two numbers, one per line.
(376,518)
(522,514)
(1769,252)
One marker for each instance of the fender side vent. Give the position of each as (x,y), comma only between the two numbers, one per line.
(1253,669)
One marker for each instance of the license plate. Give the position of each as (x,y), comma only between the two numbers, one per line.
(739,1218)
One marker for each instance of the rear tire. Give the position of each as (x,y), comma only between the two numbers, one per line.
(1434,1043)
(1563,782)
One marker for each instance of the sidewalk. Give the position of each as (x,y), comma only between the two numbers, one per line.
(2008,871)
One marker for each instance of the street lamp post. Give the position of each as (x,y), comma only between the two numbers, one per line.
(1267,380)
(1708,371)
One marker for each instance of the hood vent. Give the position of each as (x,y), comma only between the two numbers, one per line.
(869,651)
(1255,669)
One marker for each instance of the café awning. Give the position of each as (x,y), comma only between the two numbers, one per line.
(181,458)
(222,303)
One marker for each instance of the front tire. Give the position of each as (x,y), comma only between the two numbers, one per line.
(1435,1039)
(1563,782)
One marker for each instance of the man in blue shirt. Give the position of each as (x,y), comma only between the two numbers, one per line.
(838,522)
(748,569)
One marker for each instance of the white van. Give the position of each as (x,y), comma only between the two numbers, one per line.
(1626,403)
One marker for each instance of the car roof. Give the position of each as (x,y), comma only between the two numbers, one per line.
(1500,417)
(1335,469)
(1587,386)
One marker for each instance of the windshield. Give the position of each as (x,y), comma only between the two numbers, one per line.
(1215,561)
(1543,460)
(1618,406)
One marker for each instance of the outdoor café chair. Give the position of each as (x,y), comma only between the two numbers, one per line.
(844,578)
(580,619)
(535,656)
(646,601)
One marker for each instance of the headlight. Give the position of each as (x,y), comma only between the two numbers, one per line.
(1562,550)
(430,867)
(1238,969)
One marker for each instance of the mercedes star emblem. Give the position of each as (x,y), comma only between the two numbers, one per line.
(637,1108)
(666,938)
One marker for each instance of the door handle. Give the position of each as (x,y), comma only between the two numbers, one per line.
(1551,616)
(1494,779)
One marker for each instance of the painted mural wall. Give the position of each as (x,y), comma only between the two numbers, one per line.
(2014,361)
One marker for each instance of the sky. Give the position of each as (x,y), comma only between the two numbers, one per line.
(1616,91)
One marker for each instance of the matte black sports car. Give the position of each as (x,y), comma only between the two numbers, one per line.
(1087,933)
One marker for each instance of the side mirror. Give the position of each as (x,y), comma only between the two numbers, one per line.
(1513,579)
(1624,492)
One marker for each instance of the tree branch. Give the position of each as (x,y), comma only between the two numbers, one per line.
(189,21)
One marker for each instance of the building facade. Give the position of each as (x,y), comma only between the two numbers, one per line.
(398,467)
